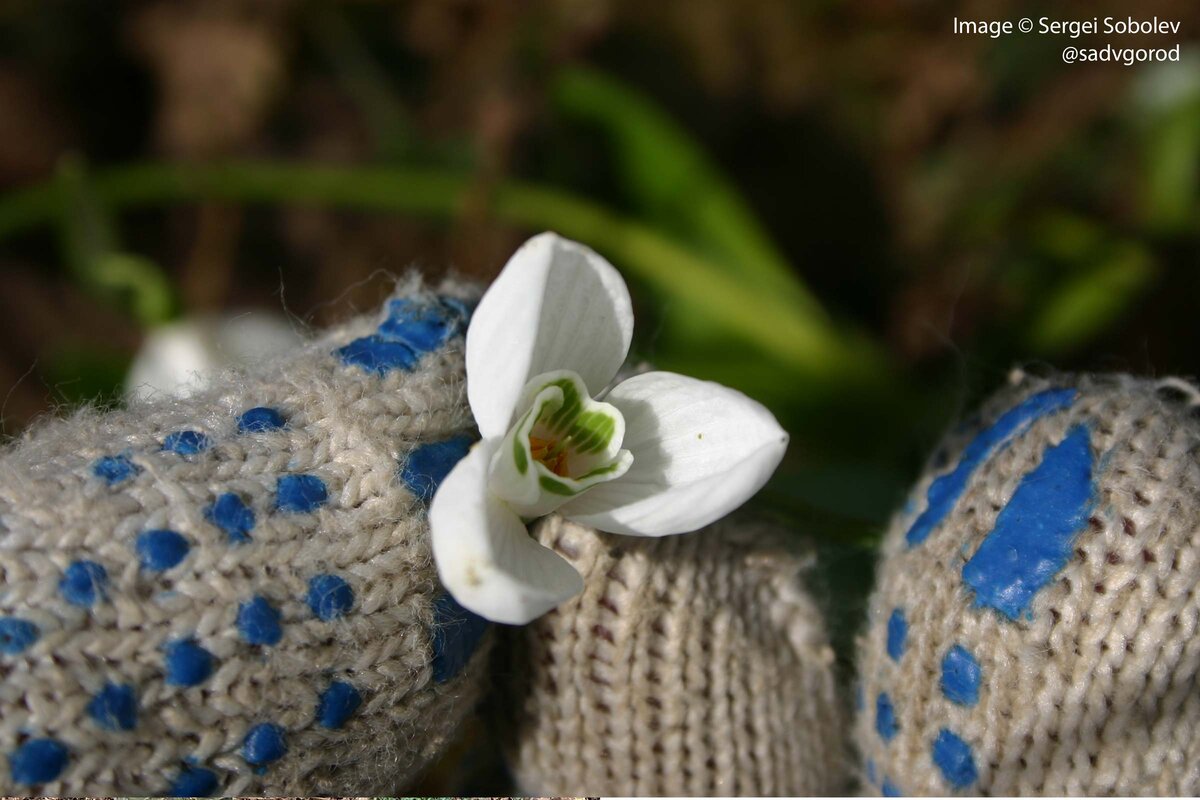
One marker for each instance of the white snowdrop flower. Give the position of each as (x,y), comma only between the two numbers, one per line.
(654,455)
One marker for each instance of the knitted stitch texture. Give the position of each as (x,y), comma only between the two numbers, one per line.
(689,665)
(234,593)
(1034,624)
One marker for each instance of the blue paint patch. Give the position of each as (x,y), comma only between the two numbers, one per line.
(258,622)
(300,494)
(871,776)
(858,697)
(456,635)
(263,744)
(260,420)
(429,464)
(161,549)
(885,717)
(1035,532)
(194,782)
(890,790)
(16,635)
(953,757)
(114,707)
(188,664)
(960,676)
(337,704)
(897,634)
(329,597)
(186,443)
(944,492)
(38,761)
(115,469)
(231,514)
(378,355)
(83,583)
(413,327)
(423,324)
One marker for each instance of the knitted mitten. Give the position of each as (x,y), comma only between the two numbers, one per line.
(690,665)
(1033,629)
(235,592)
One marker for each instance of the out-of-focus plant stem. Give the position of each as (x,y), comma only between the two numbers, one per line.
(807,343)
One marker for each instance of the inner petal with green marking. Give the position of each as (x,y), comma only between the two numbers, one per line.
(563,443)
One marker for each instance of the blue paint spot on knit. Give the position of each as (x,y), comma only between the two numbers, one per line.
(83,583)
(186,443)
(944,492)
(890,790)
(953,757)
(1034,533)
(858,697)
(430,463)
(897,634)
(378,355)
(960,676)
(231,514)
(194,782)
(871,776)
(115,469)
(16,635)
(421,323)
(188,664)
(161,549)
(300,494)
(38,761)
(337,703)
(885,717)
(456,635)
(114,707)
(258,622)
(259,420)
(264,744)
(329,597)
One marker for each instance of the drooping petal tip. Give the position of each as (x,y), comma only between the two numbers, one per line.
(485,557)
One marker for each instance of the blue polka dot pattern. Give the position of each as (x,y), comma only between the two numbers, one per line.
(231,514)
(83,583)
(1035,533)
(456,635)
(960,676)
(38,761)
(944,491)
(329,597)
(186,443)
(885,717)
(258,622)
(194,782)
(411,329)
(161,549)
(953,758)
(260,420)
(897,634)
(263,744)
(890,790)
(337,704)
(188,664)
(114,707)
(16,634)
(300,494)
(430,463)
(115,469)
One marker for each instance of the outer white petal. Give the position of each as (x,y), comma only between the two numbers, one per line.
(485,556)
(556,305)
(700,450)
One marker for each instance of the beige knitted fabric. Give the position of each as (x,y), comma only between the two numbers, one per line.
(690,665)
(1033,629)
(199,599)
